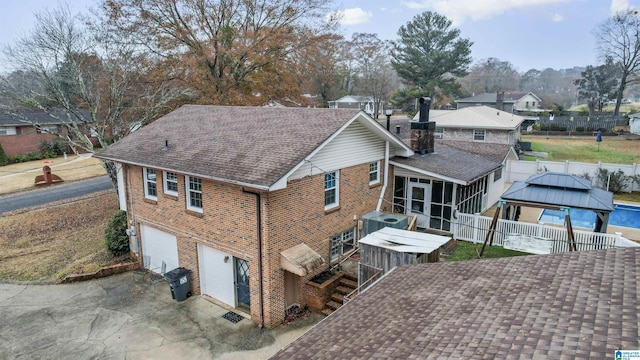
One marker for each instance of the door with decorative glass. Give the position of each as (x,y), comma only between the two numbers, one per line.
(243,294)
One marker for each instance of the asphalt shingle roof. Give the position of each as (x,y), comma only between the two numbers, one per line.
(28,117)
(475,117)
(250,145)
(462,160)
(559,306)
(509,97)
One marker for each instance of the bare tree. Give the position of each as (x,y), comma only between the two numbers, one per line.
(619,38)
(87,79)
(491,75)
(373,67)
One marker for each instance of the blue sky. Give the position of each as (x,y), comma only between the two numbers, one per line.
(528,33)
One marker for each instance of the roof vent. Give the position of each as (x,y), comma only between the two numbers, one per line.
(166,146)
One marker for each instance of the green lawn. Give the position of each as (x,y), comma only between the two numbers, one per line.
(612,149)
(469,251)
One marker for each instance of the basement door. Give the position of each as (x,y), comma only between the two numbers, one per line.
(419,202)
(158,247)
(216,274)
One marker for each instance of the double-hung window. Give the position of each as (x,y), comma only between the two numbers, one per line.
(150,189)
(331,189)
(170,183)
(194,193)
(374,172)
(478,135)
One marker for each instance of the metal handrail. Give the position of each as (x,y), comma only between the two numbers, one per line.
(349,296)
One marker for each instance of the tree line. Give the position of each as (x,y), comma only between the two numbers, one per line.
(129,62)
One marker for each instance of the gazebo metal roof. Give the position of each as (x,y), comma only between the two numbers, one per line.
(562,190)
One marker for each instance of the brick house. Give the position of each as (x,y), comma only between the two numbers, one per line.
(22,133)
(227,191)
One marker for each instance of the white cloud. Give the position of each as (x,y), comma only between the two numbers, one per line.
(557,18)
(618,6)
(353,16)
(460,10)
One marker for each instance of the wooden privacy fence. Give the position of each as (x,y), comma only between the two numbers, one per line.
(474,228)
(582,122)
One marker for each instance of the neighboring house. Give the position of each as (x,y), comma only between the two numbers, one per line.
(365,103)
(22,134)
(477,124)
(239,194)
(509,101)
(574,305)
(461,176)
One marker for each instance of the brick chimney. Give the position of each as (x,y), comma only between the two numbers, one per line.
(500,100)
(422,133)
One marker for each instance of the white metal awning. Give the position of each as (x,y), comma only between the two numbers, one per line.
(405,240)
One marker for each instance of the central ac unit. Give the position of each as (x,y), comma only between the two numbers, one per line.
(376,220)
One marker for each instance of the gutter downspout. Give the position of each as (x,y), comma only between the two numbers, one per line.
(386,175)
(259,235)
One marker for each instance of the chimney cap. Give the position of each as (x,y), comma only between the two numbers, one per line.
(425,99)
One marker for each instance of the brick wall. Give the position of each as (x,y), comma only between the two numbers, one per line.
(228,223)
(297,215)
(26,142)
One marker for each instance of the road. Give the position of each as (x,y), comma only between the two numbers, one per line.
(54,193)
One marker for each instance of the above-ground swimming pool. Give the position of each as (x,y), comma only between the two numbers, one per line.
(622,215)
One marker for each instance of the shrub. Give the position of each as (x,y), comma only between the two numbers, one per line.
(616,182)
(34,156)
(57,146)
(19,158)
(116,239)
(4,159)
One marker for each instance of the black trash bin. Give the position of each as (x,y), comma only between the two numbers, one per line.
(179,283)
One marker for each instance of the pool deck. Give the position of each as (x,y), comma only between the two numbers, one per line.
(530,215)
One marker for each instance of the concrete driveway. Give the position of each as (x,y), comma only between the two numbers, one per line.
(125,317)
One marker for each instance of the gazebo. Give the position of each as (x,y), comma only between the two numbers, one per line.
(556,191)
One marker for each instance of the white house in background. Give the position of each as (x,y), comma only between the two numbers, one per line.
(477,124)
(365,103)
(510,101)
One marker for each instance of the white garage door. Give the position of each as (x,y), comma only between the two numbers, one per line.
(216,274)
(159,246)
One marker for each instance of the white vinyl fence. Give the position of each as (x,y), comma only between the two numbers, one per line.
(520,170)
(540,238)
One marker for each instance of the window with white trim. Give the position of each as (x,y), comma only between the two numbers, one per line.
(479,135)
(93,132)
(374,172)
(439,133)
(342,244)
(331,189)
(8,130)
(150,189)
(194,193)
(170,183)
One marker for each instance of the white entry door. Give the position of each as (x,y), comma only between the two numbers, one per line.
(216,274)
(419,202)
(158,247)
